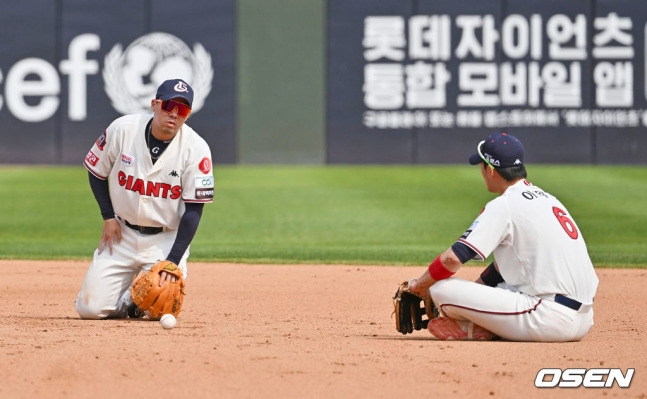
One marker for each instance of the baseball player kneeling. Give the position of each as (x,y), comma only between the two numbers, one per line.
(151,176)
(541,284)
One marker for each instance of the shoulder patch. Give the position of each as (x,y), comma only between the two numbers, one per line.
(101,141)
(205,165)
(204,181)
(91,158)
(469,230)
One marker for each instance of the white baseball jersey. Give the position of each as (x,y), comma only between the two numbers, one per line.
(144,193)
(540,252)
(537,246)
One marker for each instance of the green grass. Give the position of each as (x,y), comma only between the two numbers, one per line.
(306,214)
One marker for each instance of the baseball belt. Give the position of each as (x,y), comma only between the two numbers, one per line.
(144,229)
(568,302)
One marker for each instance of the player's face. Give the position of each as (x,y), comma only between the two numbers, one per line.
(169,116)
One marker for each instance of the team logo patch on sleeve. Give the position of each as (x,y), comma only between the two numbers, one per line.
(101,141)
(92,158)
(205,165)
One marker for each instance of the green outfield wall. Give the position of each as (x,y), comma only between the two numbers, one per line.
(280,86)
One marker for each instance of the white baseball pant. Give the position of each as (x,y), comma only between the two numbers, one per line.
(510,314)
(105,292)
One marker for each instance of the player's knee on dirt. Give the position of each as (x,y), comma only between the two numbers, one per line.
(89,309)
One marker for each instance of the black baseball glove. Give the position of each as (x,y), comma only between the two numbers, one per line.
(410,309)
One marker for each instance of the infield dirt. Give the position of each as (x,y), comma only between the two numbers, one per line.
(284,331)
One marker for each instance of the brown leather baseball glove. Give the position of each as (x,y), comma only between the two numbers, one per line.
(154,300)
(410,309)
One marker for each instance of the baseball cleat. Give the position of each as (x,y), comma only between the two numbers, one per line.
(447,328)
(134,312)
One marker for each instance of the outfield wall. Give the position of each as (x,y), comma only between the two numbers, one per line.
(332,81)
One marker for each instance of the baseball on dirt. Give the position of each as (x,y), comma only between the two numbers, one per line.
(168,321)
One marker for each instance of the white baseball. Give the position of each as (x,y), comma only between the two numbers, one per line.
(168,321)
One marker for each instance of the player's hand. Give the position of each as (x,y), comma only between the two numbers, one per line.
(420,286)
(164,277)
(111,233)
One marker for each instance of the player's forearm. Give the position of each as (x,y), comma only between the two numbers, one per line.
(186,231)
(101,192)
(447,262)
(450,260)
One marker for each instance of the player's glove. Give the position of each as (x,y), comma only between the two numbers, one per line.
(409,312)
(154,300)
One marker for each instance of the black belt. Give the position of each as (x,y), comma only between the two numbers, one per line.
(568,302)
(145,229)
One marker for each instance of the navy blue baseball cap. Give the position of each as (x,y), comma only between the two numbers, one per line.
(500,150)
(175,88)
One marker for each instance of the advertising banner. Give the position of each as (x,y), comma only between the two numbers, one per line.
(90,62)
(420,81)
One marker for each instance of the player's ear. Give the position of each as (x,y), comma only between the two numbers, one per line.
(494,172)
(153,105)
(488,170)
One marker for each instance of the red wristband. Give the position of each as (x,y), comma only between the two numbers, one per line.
(438,271)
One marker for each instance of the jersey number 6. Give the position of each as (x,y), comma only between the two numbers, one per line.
(567,224)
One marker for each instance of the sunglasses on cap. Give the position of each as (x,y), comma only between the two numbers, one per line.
(478,150)
(183,110)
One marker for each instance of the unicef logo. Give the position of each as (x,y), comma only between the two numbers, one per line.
(132,76)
